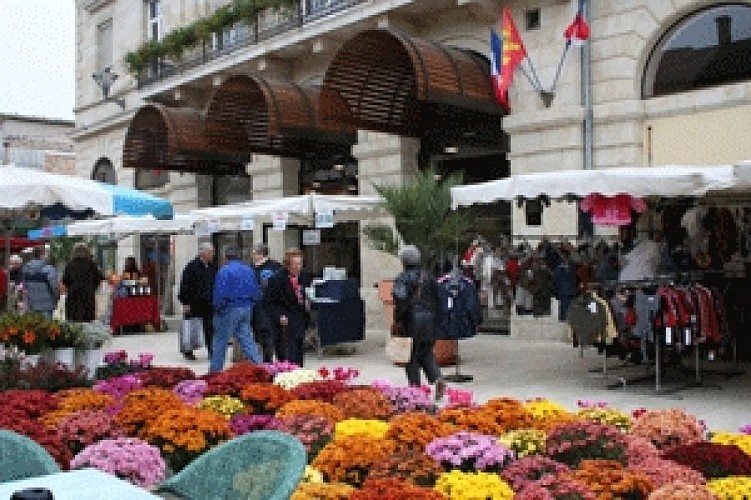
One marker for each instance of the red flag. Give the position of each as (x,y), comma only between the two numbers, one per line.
(578,31)
(513,53)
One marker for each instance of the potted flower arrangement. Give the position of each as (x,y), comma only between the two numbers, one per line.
(712,459)
(127,458)
(83,428)
(243,424)
(190,392)
(30,333)
(94,336)
(350,458)
(392,488)
(226,406)
(354,426)
(458,484)
(412,466)
(730,488)
(65,343)
(470,452)
(414,431)
(525,471)
(576,441)
(553,488)
(365,403)
(323,491)
(313,431)
(678,490)
(265,398)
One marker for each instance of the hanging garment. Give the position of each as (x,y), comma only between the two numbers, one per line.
(611,332)
(460,313)
(647,307)
(612,211)
(641,262)
(564,283)
(588,320)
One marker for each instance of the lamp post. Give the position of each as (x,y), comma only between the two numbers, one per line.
(105,79)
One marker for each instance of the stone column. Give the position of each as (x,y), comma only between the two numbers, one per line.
(382,159)
(275,177)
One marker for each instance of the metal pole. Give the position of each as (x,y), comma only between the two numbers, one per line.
(8,233)
(586,78)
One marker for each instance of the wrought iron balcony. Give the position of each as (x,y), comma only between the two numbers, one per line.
(267,25)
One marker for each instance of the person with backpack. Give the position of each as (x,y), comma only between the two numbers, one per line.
(416,304)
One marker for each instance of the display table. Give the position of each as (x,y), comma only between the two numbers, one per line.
(339,312)
(136,310)
(84,484)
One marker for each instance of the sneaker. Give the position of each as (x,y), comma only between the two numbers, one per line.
(440,389)
(189,356)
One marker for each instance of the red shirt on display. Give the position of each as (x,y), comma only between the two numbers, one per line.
(612,211)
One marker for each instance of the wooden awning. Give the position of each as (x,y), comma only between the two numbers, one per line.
(250,114)
(387,81)
(164,138)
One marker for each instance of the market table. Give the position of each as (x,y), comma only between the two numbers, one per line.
(83,484)
(135,310)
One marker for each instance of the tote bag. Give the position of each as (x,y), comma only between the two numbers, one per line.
(190,335)
(399,349)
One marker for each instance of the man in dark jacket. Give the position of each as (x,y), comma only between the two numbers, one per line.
(81,278)
(236,291)
(416,304)
(288,308)
(196,292)
(264,269)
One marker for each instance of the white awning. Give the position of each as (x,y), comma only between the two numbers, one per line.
(669,181)
(129,225)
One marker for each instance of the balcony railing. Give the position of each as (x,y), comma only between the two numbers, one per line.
(241,35)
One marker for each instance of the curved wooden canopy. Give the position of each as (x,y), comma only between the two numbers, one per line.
(388,81)
(160,137)
(250,114)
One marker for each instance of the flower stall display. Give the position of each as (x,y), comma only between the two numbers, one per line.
(470,452)
(277,367)
(520,473)
(31,332)
(341,373)
(608,416)
(74,400)
(265,398)
(226,406)
(313,431)
(118,387)
(473,419)
(407,399)
(365,403)
(231,381)
(352,426)
(458,485)
(546,413)
(662,472)
(290,380)
(388,489)
(310,407)
(182,434)
(414,431)
(31,403)
(682,491)
(127,458)
(325,491)
(118,363)
(509,413)
(554,488)
(524,442)
(711,459)
(349,459)
(165,377)
(321,390)
(608,479)
(732,487)
(412,466)
(742,441)
(142,406)
(668,428)
(243,424)
(83,428)
(639,449)
(581,440)
(48,438)
(191,392)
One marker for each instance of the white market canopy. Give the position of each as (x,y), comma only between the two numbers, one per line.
(124,224)
(301,209)
(669,181)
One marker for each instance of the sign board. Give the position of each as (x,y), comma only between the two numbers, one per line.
(325,220)
(311,237)
(213,225)
(247,224)
(201,229)
(279,220)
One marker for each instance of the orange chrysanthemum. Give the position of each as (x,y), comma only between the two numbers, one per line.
(413,431)
(265,398)
(143,406)
(349,459)
(310,407)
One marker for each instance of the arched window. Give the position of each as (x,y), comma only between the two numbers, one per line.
(104,171)
(707,48)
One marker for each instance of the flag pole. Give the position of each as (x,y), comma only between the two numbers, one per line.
(560,67)
(534,74)
(529,79)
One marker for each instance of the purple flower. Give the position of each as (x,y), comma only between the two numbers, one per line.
(118,387)
(470,451)
(242,424)
(128,458)
(279,367)
(746,429)
(191,392)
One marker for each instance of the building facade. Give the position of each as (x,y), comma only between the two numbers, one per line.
(34,142)
(335,95)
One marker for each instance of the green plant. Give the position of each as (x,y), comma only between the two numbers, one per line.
(422,216)
(61,249)
(135,62)
(176,41)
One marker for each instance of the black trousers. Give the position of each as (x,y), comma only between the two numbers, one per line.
(288,347)
(423,359)
(263,333)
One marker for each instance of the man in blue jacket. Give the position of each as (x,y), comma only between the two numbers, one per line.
(236,291)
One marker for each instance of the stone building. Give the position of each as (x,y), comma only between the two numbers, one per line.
(334,95)
(33,142)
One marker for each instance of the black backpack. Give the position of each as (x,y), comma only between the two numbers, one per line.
(415,301)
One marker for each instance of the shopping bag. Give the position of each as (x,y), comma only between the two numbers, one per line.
(190,335)
(59,312)
(399,349)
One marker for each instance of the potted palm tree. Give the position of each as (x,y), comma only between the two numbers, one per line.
(423,217)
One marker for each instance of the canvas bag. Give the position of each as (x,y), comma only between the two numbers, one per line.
(399,349)
(190,335)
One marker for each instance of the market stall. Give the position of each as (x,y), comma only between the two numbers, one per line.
(680,274)
(338,308)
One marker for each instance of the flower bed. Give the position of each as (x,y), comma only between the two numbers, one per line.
(380,441)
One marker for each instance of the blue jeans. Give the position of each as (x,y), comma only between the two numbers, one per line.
(232,321)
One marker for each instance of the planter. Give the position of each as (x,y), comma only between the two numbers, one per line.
(90,359)
(66,356)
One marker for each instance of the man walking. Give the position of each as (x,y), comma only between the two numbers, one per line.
(41,284)
(264,269)
(236,291)
(196,292)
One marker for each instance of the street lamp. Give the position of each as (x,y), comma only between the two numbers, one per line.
(104,79)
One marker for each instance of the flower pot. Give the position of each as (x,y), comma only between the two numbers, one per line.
(90,359)
(66,356)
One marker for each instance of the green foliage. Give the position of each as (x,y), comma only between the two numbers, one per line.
(422,216)
(177,41)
